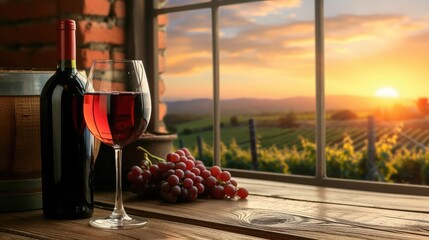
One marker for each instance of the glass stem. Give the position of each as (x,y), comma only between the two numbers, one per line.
(118,211)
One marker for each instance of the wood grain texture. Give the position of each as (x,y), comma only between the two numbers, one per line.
(27,161)
(10,236)
(32,225)
(272,211)
(337,196)
(7,141)
(276,210)
(20,141)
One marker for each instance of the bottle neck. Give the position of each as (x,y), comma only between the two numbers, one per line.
(67,65)
(66,46)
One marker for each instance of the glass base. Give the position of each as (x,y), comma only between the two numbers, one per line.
(112,222)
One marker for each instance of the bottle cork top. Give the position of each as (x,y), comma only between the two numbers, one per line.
(66,24)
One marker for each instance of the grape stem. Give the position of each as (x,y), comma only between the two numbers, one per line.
(151,155)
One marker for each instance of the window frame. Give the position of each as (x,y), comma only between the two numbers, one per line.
(320,179)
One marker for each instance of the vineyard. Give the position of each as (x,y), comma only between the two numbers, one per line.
(408,137)
(400,154)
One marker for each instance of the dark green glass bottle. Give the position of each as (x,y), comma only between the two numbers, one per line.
(67,161)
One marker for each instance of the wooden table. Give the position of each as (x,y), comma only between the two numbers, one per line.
(272,211)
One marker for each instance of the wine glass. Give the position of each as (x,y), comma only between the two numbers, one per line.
(117,109)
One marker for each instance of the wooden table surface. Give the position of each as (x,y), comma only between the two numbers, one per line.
(272,211)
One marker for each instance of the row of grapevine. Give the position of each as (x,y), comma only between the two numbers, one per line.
(410,137)
(407,137)
(394,163)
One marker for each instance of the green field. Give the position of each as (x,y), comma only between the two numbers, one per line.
(268,134)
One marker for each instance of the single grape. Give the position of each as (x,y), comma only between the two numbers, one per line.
(193,190)
(224,176)
(242,193)
(196,171)
(165,187)
(187,183)
(230,190)
(210,182)
(184,194)
(146,175)
(173,157)
(201,167)
(200,187)
(183,159)
(171,165)
(154,170)
(136,169)
(189,174)
(198,179)
(181,165)
(186,151)
(163,167)
(173,180)
(132,176)
(189,164)
(180,173)
(215,171)
(180,152)
(205,174)
(175,190)
(233,182)
(168,173)
(218,192)
(139,180)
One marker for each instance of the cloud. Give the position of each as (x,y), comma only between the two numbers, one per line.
(251,46)
(351,28)
(189,55)
(264,8)
(192,33)
(246,44)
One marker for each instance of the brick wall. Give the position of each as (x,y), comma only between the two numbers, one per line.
(162,22)
(28,33)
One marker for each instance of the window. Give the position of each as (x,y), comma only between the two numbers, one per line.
(318,55)
(374,76)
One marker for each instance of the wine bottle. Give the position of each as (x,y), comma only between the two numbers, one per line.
(67,158)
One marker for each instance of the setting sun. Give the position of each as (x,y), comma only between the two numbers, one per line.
(386,92)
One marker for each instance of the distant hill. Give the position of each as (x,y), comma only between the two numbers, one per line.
(298,104)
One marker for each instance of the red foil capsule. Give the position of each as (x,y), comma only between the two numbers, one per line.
(66,45)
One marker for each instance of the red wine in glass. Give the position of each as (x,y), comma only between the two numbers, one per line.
(116,118)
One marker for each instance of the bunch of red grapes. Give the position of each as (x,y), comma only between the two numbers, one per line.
(181,178)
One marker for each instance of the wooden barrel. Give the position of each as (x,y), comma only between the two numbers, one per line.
(20,165)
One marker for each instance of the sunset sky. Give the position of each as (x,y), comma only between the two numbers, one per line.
(267,49)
